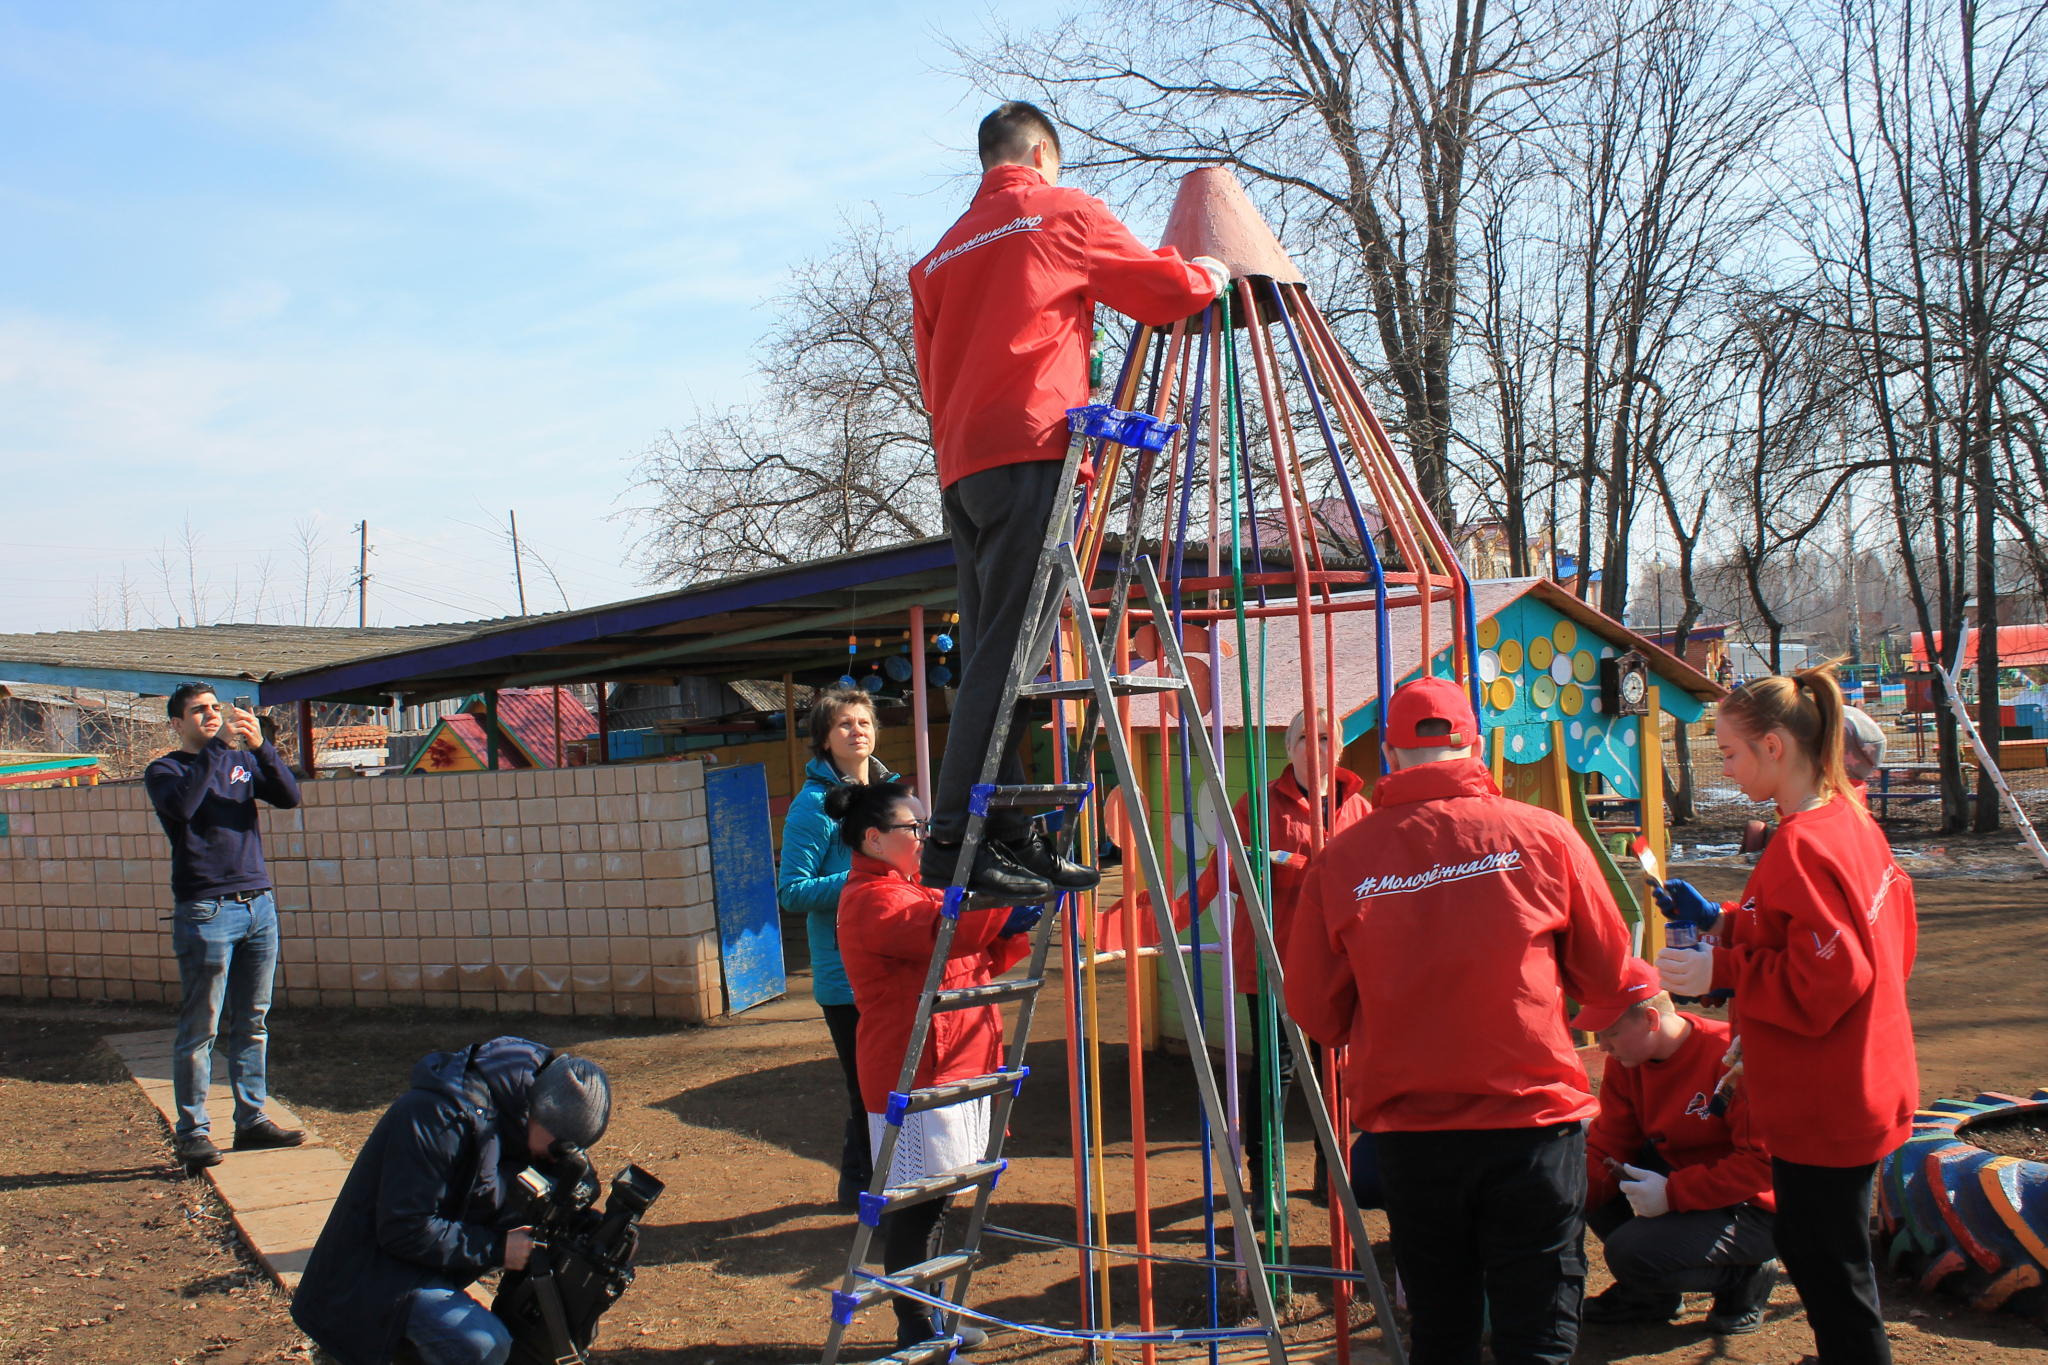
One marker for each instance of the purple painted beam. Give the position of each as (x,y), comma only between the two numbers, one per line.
(388,672)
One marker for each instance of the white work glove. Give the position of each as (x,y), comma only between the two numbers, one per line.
(1219,273)
(1646,1193)
(1686,971)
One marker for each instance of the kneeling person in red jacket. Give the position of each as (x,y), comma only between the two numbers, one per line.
(1680,1195)
(888,929)
(1438,938)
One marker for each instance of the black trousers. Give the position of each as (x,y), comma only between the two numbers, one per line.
(909,1236)
(1700,1251)
(997,519)
(1823,1239)
(844,1023)
(1489,1219)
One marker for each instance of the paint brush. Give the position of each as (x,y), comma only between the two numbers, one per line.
(1647,856)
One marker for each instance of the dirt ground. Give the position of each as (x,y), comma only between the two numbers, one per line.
(743,1119)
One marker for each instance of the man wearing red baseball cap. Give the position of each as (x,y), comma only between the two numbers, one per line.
(1438,938)
(1680,1194)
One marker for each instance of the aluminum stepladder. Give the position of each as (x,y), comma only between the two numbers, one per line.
(1056,587)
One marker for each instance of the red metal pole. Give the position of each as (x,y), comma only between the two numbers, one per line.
(558,725)
(306,737)
(920,711)
(604,721)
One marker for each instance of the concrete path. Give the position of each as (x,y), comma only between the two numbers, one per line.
(279,1199)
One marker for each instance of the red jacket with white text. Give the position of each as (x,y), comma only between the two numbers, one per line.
(1438,937)
(1290,826)
(1818,952)
(1715,1162)
(888,926)
(1003,311)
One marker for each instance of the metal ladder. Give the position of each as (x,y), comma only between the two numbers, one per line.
(1056,586)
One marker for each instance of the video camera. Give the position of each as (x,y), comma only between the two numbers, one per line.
(582,1260)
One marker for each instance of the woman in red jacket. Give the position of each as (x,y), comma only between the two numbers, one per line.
(888,929)
(1817,952)
(1290,835)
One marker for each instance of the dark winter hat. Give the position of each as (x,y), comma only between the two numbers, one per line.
(572,1099)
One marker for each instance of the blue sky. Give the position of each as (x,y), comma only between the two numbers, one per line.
(265,267)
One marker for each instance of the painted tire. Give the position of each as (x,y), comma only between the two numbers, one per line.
(1960,1215)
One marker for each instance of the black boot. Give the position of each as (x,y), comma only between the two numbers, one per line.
(994,874)
(856,1165)
(1619,1303)
(1740,1309)
(1037,854)
(913,1323)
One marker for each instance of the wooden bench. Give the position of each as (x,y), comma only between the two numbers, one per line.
(1921,782)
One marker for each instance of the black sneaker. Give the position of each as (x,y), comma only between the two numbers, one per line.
(1619,1303)
(966,1337)
(993,874)
(263,1134)
(1740,1310)
(1037,854)
(196,1151)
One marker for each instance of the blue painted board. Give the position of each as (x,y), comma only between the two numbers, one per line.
(743,878)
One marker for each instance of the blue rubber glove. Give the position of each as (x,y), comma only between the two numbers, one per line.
(1681,903)
(1022,917)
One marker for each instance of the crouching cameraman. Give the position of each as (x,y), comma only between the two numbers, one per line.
(431,1204)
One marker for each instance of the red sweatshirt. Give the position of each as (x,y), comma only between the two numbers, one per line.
(1004,311)
(1715,1162)
(1290,824)
(888,927)
(1439,937)
(1818,952)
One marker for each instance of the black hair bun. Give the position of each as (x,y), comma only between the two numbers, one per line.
(840,799)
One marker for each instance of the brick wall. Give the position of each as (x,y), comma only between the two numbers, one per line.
(584,890)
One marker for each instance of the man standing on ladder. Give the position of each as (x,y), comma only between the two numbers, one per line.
(1438,937)
(1004,314)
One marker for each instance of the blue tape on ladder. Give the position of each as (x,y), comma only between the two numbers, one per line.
(1018,1088)
(1068,1333)
(899,1104)
(1136,430)
(871,1208)
(844,1306)
(956,897)
(977,797)
(1001,1165)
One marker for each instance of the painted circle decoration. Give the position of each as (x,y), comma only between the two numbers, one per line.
(1564,634)
(1542,693)
(1540,652)
(1950,1208)
(1489,632)
(1510,656)
(1561,669)
(1572,698)
(1501,693)
(1585,667)
(1489,666)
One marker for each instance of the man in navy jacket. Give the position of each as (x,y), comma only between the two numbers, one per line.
(224,919)
(428,1205)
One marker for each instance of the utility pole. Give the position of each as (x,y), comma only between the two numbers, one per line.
(518,574)
(1849,553)
(363,574)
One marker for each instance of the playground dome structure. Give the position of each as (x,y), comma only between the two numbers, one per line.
(1261,394)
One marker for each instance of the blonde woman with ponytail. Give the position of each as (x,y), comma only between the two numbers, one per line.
(1817,952)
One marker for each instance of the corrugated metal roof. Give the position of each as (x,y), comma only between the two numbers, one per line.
(226,651)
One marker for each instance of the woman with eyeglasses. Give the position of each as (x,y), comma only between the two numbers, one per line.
(888,928)
(808,882)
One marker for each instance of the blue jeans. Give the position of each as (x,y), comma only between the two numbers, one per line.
(448,1327)
(227,955)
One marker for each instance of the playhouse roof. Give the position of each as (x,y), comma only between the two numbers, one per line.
(1356,671)
(526,717)
(2023,646)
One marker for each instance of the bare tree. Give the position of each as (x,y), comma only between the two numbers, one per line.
(1361,122)
(835,456)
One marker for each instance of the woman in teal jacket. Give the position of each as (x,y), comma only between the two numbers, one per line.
(813,872)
